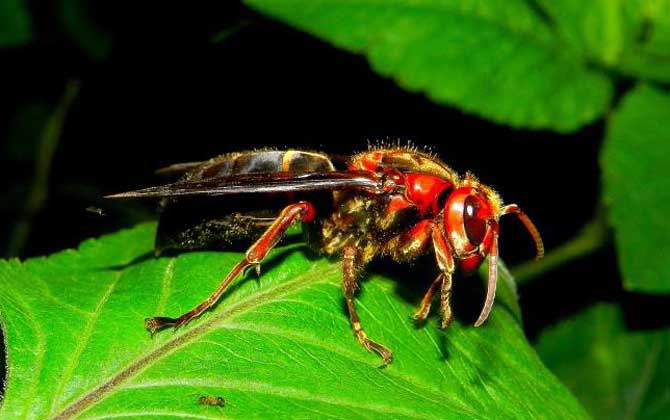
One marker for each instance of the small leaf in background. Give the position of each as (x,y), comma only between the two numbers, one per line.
(632,37)
(500,60)
(15,26)
(616,373)
(84,30)
(47,132)
(277,347)
(593,29)
(636,173)
(647,49)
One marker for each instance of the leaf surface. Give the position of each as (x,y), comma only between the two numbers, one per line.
(635,180)
(279,347)
(617,373)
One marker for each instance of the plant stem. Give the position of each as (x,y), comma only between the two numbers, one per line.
(226,33)
(593,236)
(37,195)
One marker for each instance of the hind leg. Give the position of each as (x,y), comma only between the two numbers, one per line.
(302,211)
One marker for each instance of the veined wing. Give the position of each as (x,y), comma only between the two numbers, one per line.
(262,183)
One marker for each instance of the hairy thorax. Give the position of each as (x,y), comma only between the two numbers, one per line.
(369,223)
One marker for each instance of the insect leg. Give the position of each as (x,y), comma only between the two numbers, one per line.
(422,313)
(445,261)
(413,243)
(302,211)
(350,285)
(445,305)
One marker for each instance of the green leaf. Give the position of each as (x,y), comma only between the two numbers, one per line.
(499,60)
(15,26)
(84,30)
(635,180)
(593,29)
(631,37)
(646,52)
(279,347)
(615,372)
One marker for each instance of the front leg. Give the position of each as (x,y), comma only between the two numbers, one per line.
(349,284)
(409,246)
(445,261)
(422,313)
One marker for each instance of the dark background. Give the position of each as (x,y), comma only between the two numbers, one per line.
(166,93)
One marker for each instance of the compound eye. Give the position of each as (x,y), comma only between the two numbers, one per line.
(474,219)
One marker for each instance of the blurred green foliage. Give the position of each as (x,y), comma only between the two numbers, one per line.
(636,182)
(86,33)
(15,25)
(629,37)
(618,373)
(37,133)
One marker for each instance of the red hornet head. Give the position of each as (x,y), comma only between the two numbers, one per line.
(471,215)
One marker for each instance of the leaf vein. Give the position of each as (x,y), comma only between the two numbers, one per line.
(168,347)
(289,392)
(83,343)
(423,388)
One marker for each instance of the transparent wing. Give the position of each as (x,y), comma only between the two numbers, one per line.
(261,183)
